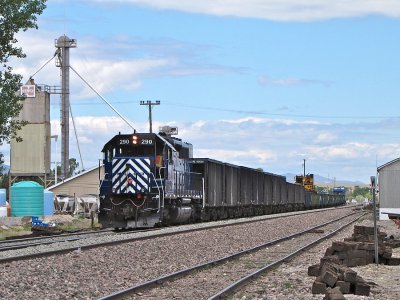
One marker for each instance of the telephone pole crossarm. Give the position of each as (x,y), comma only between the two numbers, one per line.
(150,105)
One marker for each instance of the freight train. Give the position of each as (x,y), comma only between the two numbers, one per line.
(152,180)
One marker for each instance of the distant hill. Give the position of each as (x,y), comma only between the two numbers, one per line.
(318,179)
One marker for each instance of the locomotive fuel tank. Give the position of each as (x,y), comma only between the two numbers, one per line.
(180,215)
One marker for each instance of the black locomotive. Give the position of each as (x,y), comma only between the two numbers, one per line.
(152,179)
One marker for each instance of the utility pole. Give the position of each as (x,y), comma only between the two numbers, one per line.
(150,105)
(373,188)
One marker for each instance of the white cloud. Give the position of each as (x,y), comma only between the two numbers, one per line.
(266,81)
(104,69)
(325,138)
(239,157)
(101,74)
(276,10)
(277,146)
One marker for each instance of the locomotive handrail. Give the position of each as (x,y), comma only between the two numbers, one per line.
(184,182)
(162,187)
(158,188)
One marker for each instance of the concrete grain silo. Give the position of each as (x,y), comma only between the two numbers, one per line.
(31,157)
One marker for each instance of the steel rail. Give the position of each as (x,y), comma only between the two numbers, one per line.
(223,294)
(16,244)
(113,243)
(35,238)
(67,249)
(27,245)
(152,283)
(239,221)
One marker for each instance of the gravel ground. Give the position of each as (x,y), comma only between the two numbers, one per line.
(98,239)
(290,280)
(213,279)
(101,271)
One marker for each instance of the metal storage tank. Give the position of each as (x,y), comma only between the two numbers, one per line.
(48,203)
(3,197)
(3,211)
(26,199)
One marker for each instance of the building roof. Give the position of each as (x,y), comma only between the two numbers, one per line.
(389,163)
(74,177)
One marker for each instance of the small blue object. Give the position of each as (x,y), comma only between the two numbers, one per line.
(37,222)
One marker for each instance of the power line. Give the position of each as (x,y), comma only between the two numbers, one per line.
(104,99)
(276,114)
(239,111)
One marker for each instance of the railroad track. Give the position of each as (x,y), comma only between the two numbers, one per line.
(20,243)
(64,243)
(28,248)
(219,278)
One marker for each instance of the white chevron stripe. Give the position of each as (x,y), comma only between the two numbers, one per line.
(117,165)
(145,166)
(121,174)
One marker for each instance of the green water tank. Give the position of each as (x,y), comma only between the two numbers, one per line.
(26,199)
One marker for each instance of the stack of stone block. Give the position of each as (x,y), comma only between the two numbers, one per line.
(334,276)
(360,248)
(334,280)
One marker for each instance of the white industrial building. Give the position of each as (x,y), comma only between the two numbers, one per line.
(389,189)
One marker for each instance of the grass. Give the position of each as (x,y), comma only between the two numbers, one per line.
(15,231)
(287,285)
(76,224)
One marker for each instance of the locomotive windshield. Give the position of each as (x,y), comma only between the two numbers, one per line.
(136,145)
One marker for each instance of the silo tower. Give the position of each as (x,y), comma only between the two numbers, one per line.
(63,43)
(31,157)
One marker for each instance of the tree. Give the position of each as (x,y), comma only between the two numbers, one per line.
(1,164)
(15,16)
(3,174)
(362,192)
(73,165)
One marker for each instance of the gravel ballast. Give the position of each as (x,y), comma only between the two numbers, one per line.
(93,273)
(290,280)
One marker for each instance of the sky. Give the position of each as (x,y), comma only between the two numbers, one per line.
(260,83)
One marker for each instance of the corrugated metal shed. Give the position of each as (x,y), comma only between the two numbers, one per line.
(86,182)
(389,186)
